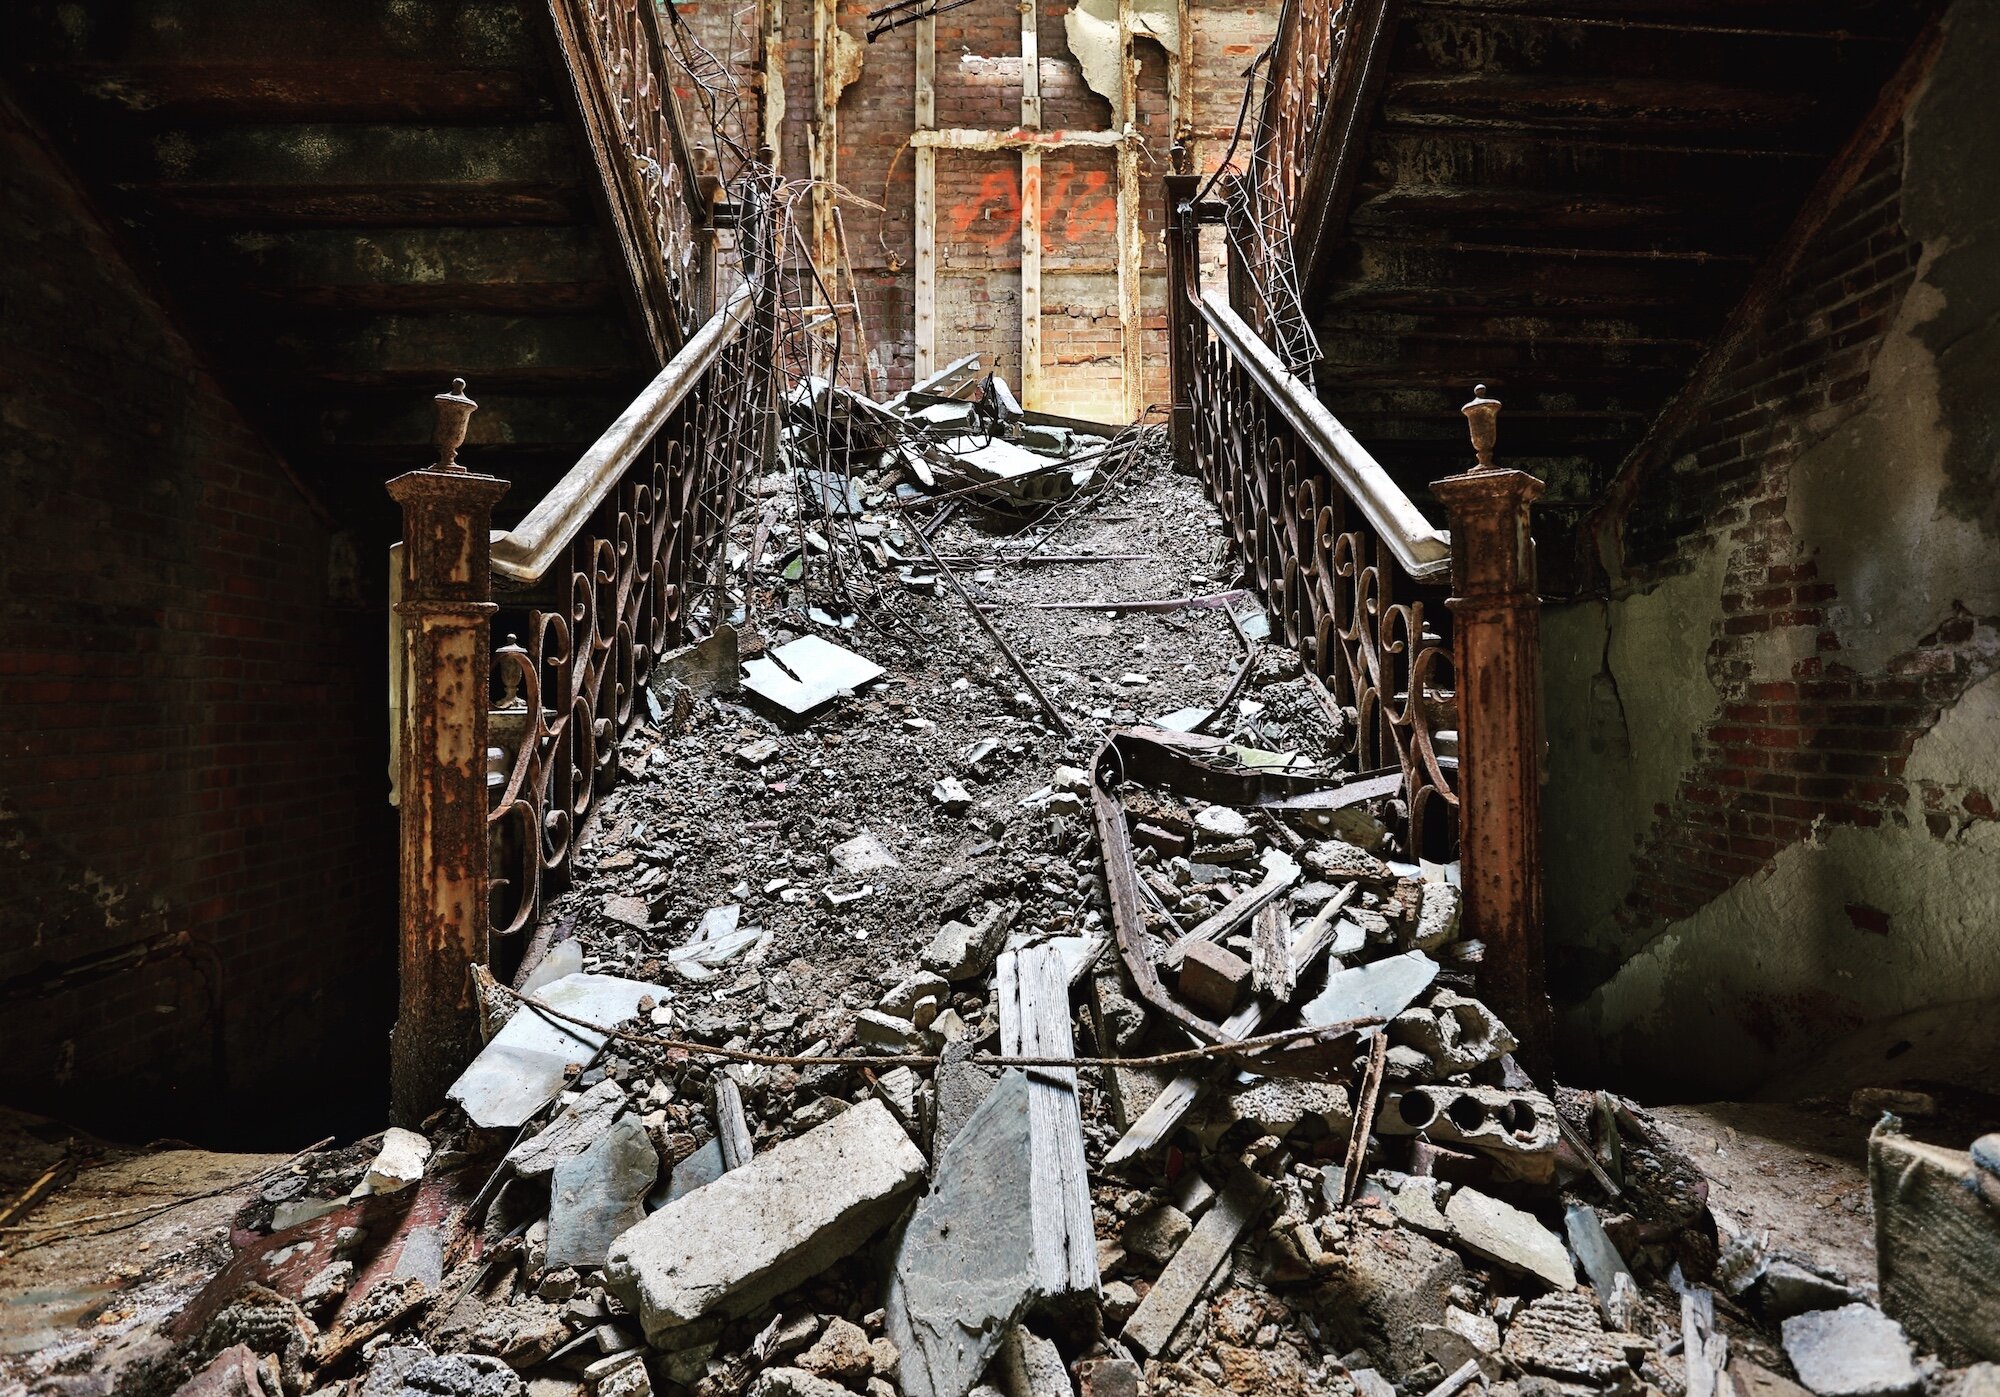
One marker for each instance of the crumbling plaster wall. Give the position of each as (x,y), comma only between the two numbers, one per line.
(1773,858)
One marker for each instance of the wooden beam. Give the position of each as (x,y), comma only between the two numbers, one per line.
(974,138)
(771,100)
(1035,1022)
(1031,211)
(926,222)
(1130,247)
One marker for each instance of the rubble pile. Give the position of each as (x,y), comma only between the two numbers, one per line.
(906,1034)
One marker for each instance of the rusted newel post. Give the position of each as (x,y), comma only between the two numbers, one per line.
(1183,272)
(1497,653)
(444,616)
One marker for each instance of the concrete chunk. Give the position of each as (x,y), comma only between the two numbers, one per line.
(1504,1234)
(965,1268)
(570,1133)
(399,1164)
(1383,988)
(759,1230)
(1854,1351)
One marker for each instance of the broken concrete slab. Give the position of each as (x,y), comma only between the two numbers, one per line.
(1854,1351)
(525,1065)
(950,796)
(569,1133)
(600,1192)
(1389,1285)
(965,1268)
(398,1164)
(798,678)
(862,855)
(960,951)
(1787,1288)
(1560,1336)
(1595,1250)
(1509,1237)
(1031,1366)
(406,1370)
(759,1230)
(1437,916)
(1380,989)
(1281,1104)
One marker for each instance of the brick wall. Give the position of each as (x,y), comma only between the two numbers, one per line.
(198,933)
(1773,773)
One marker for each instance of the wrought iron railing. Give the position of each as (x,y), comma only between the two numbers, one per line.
(622,80)
(505,751)
(1416,631)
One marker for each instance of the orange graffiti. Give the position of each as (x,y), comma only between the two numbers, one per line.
(1074,210)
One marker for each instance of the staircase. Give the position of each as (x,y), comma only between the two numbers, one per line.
(1562,198)
(351,204)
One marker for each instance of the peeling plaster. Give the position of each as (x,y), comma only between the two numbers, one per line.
(1775,973)
(1091,28)
(1628,682)
(1860,953)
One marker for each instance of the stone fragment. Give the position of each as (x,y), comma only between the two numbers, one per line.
(899,1091)
(1594,1248)
(1504,1234)
(1380,989)
(759,1230)
(704,1166)
(1219,824)
(1281,1104)
(960,951)
(794,1382)
(961,1086)
(599,1193)
(231,1373)
(398,1164)
(327,1288)
(522,1334)
(965,1269)
(1854,1351)
(1213,979)
(841,1353)
(1109,1377)
(570,1133)
(886,1033)
(1337,861)
(1560,1336)
(902,1000)
(1456,1033)
(1755,1380)
(1787,1288)
(1030,1366)
(405,1370)
(1437,917)
(1118,1300)
(862,855)
(758,753)
(950,796)
(628,1379)
(1157,1234)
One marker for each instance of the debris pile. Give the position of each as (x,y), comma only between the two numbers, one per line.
(909,1032)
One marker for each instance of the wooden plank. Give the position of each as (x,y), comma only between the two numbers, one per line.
(1031,212)
(926,212)
(1937,1246)
(1151,1327)
(771,98)
(732,1127)
(1704,1351)
(1033,990)
(1271,952)
(1179,1096)
(1131,245)
(1234,915)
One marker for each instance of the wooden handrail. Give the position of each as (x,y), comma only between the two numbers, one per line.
(526,552)
(1423,552)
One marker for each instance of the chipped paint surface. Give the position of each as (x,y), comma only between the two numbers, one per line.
(1861,949)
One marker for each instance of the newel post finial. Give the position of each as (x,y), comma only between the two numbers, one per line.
(454,412)
(1482,415)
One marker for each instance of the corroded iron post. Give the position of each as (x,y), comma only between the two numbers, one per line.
(1183,273)
(1497,655)
(444,618)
